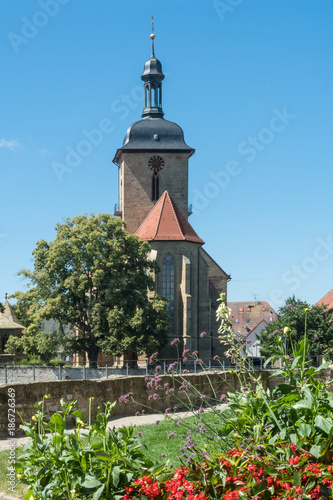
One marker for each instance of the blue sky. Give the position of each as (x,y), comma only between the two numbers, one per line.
(249,81)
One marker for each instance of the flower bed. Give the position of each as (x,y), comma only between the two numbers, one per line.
(241,474)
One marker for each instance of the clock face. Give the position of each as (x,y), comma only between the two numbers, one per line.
(156,163)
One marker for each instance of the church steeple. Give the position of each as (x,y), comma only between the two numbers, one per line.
(152,77)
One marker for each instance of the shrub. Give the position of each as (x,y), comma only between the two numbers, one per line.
(77,465)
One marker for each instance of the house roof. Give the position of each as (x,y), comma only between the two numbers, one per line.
(166,222)
(8,319)
(249,315)
(327,300)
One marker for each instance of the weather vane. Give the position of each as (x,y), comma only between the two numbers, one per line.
(152,36)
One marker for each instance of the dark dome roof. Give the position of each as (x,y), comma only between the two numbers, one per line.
(154,134)
(153,67)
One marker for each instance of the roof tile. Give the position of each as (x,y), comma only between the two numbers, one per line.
(166,222)
(327,300)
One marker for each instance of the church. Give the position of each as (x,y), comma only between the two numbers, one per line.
(153,201)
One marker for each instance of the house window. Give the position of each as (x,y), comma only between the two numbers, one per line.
(264,308)
(248,320)
(42,325)
(248,309)
(236,320)
(241,309)
(52,325)
(271,319)
(169,283)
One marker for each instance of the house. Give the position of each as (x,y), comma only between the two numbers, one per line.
(9,325)
(248,319)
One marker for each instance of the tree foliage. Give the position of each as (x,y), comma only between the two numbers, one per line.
(291,314)
(94,277)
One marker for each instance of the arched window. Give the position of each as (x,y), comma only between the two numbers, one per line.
(169,284)
(146,95)
(155,189)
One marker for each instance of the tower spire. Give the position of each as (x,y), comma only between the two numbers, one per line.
(152,36)
(152,78)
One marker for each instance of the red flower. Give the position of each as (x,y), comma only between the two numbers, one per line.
(314,468)
(233,495)
(286,486)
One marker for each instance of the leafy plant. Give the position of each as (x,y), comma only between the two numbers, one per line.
(88,462)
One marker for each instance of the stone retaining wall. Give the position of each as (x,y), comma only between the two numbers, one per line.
(26,394)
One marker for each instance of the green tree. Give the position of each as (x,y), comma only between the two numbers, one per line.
(291,314)
(94,277)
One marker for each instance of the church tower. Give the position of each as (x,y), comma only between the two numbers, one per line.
(154,156)
(153,201)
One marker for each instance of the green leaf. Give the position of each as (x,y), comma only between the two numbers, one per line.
(322,367)
(302,405)
(273,439)
(103,456)
(297,479)
(88,481)
(295,362)
(326,445)
(79,415)
(316,451)
(256,432)
(56,423)
(28,495)
(259,487)
(325,424)
(115,475)
(268,361)
(293,438)
(98,493)
(84,464)
(284,388)
(305,430)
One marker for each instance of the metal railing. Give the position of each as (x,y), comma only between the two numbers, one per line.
(11,373)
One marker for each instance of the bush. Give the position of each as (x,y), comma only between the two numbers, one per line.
(68,465)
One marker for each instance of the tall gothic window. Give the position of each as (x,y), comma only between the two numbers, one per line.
(169,284)
(155,192)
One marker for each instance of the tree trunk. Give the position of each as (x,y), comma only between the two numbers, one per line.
(92,356)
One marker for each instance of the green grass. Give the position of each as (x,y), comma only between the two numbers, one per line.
(20,490)
(156,437)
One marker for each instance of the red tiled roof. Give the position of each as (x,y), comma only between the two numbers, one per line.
(260,311)
(165,221)
(327,300)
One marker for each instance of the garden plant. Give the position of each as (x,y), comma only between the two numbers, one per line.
(264,444)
